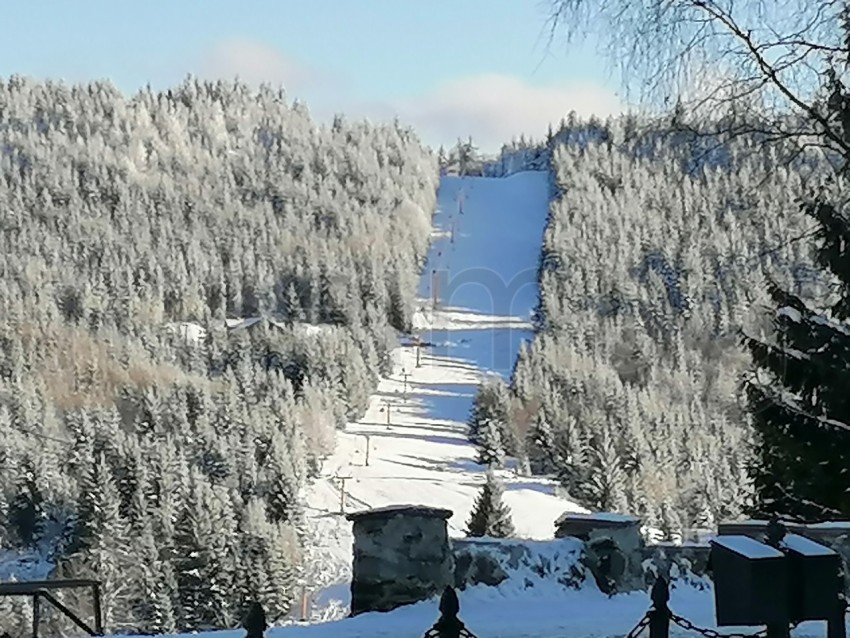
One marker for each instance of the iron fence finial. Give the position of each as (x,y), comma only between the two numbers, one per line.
(449,603)
(660,594)
(449,625)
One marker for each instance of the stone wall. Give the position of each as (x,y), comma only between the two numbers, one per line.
(491,561)
(401,555)
(684,563)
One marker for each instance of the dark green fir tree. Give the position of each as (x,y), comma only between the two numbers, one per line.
(800,397)
(490,516)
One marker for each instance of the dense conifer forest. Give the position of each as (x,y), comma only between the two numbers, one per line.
(658,252)
(145,438)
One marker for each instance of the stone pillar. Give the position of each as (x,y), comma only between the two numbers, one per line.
(586,526)
(613,548)
(402,555)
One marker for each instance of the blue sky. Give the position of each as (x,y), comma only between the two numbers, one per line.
(449,68)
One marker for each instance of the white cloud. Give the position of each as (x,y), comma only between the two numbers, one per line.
(494,108)
(254,63)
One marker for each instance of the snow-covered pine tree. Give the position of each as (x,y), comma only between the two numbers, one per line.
(104,547)
(544,457)
(253,581)
(155,587)
(442,160)
(488,422)
(490,516)
(491,450)
(292,305)
(25,508)
(468,159)
(205,570)
(281,489)
(607,478)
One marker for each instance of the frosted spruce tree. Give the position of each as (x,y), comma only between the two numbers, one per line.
(490,516)
(488,422)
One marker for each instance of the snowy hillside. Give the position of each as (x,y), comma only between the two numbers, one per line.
(487,240)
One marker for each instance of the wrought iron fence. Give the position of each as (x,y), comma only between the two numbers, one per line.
(659,617)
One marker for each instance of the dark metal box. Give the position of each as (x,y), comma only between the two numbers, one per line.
(815,577)
(751,582)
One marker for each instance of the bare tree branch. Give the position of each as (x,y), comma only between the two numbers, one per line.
(771,73)
(769,59)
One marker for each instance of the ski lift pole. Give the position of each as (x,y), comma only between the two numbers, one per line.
(368,447)
(405,376)
(388,407)
(342,480)
(435,283)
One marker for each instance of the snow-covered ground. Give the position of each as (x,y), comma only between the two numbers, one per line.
(529,605)
(484,256)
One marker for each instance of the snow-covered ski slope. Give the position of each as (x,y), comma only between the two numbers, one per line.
(484,255)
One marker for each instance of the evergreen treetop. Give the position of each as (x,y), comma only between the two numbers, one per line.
(490,516)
